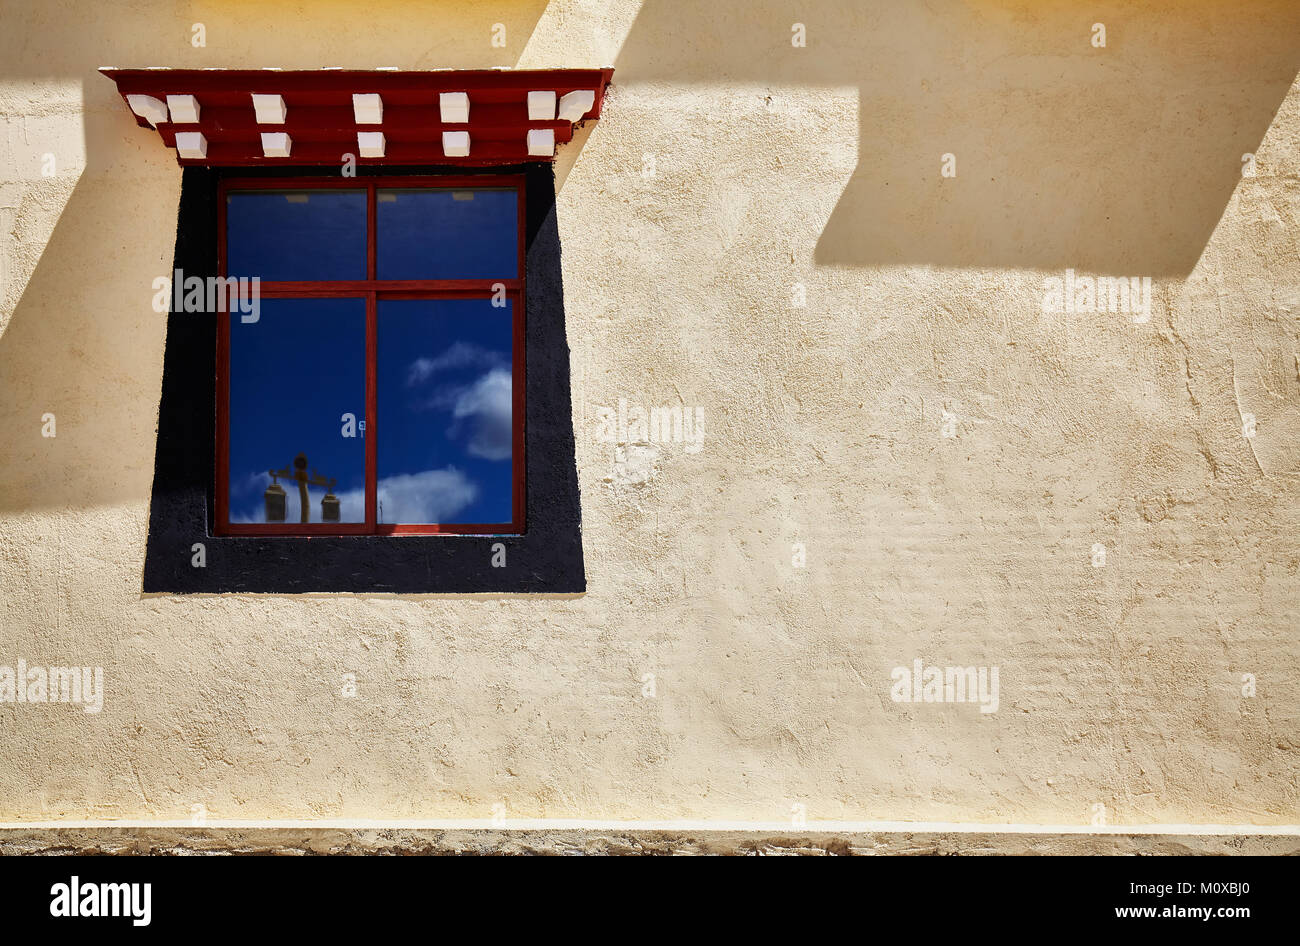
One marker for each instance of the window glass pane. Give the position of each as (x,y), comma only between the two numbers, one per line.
(296,235)
(448,234)
(294,373)
(445,422)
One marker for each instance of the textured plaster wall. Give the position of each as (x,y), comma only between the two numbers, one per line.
(773,167)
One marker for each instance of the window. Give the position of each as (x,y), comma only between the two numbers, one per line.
(378,386)
(223,395)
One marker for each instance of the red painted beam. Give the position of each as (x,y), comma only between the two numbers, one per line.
(421,85)
(321,122)
(243,154)
(415,134)
(303,120)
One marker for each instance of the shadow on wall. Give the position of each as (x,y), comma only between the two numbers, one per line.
(83,341)
(1116,160)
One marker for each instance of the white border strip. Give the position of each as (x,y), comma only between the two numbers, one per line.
(763,827)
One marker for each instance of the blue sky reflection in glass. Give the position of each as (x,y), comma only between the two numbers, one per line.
(294,373)
(296,235)
(445,233)
(445,411)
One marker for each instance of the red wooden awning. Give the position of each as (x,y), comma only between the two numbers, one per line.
(223,117)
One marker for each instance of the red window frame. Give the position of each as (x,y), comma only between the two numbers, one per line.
(372,290)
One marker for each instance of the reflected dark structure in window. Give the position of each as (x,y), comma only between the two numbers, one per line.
(276,499)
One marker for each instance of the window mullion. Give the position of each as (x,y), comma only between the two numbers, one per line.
(372,360)
(372,410)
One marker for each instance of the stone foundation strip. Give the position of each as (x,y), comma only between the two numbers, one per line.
(49,840)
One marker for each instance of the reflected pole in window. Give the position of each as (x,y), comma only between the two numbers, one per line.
(276,499)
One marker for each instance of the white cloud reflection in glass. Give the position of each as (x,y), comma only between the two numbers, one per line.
(445,411)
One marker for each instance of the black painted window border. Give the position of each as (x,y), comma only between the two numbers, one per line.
(546,558)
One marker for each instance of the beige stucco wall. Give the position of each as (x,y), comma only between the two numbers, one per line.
(1121,685)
